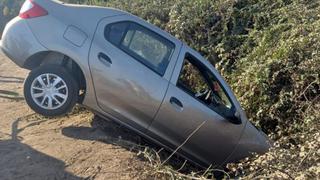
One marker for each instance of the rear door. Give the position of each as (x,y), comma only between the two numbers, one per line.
(194,112)
(131,62)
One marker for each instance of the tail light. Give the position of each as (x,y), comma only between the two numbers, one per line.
(31,9)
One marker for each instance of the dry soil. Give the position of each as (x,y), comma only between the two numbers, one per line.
(77,146)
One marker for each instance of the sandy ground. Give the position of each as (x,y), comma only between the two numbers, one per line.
(78,146)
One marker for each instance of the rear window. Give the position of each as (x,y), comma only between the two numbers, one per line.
(144,45)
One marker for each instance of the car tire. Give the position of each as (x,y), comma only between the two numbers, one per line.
(55,97)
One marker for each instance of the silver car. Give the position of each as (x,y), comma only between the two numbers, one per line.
(127,70)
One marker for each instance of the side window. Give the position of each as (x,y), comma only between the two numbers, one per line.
(149,48)
(115,32)
(219,95)
(191,79)
(200,83)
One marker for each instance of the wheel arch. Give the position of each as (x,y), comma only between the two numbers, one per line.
(58,58)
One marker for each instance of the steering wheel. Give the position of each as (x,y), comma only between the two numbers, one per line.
(201,93)
(208,95)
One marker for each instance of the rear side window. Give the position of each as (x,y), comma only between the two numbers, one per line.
(144,45)
(115,32)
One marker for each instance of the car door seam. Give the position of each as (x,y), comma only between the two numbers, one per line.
(169,82)
(88,57)
(236,147)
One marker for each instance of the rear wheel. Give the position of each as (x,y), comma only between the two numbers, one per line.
(51,90)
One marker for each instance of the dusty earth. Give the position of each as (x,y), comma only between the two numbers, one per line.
(77,146)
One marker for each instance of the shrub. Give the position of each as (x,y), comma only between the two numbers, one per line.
(269,53)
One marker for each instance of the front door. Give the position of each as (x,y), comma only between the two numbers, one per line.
(130,65)
(194,112)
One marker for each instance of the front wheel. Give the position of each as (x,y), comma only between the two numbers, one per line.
(50,90)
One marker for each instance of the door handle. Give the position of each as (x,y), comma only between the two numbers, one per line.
(105,59)
(176,103)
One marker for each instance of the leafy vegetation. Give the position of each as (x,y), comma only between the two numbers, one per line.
(8,10)
(269,52)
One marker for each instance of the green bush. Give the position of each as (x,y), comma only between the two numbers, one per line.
(8,10)
(267,50)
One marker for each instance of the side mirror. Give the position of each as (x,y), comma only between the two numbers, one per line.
(234,117)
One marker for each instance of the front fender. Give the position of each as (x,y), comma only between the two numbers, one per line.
(252,141)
